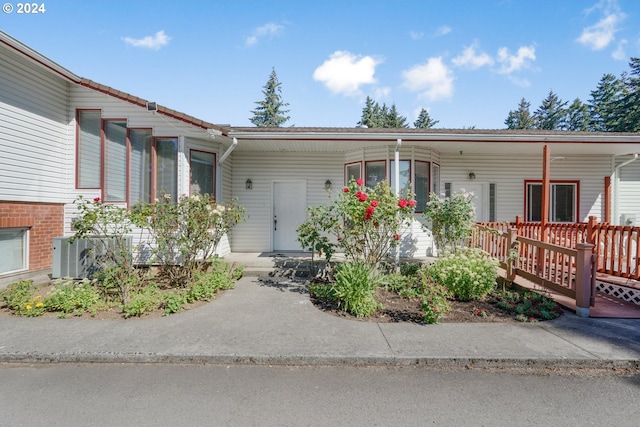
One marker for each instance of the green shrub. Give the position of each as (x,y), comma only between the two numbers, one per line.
(68,297)
(469,274)
(435,301)
(528,306)
(219,276)
(21,299)
(405,286)
(141,302)
(410,269)
(173,302)
(354,289)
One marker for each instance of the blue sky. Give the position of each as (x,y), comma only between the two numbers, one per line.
(467,62)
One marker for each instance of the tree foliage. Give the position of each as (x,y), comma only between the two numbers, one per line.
(520,118)
(551,113)
(376,116)
(424,121)
(270,112)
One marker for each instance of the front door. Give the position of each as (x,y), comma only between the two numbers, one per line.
(479,201)
(289,211)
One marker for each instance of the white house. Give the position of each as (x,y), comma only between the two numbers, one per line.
(62,136)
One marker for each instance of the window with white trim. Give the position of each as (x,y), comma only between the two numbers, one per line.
(203,173)
(14,250)
(563,201)
(375,172)
(352,171)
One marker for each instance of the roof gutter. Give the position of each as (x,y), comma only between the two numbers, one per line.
(228,152)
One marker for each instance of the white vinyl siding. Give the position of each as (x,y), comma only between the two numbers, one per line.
(508,174)
(33,136)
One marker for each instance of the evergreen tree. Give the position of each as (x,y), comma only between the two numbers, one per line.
(551,113)
(270,112)
(376,116)
(629,105)
(577,118)
(424,121)
(520,118)
(394,120)
(604,105)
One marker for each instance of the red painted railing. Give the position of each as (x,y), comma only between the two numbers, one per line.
(615,246)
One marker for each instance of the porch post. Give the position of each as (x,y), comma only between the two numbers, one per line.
(583,278)
(512,245)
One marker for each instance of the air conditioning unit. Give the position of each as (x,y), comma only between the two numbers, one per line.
(78,259)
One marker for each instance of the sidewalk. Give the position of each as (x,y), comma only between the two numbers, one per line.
(273,322)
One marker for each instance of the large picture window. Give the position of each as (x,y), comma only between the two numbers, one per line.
(166,178)
(422,185)
(352,171)
(375,172)
(13,247)
(202,173)
(140,165)
(563,202)
(89,148)
(405,176)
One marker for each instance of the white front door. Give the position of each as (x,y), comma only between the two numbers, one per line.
(480,201)
(289,211)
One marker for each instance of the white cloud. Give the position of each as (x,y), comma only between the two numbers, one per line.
(154,42)
(510,63)
(432,79)
(344,73)
(601,34)
(415,35)
(381,92)
(620,53)
(443,30)
(267,30)
(469,58)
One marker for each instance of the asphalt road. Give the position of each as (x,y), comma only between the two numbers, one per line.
(241,395)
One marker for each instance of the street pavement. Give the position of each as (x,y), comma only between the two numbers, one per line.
(272,321)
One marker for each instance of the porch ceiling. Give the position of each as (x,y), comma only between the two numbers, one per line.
(444,141)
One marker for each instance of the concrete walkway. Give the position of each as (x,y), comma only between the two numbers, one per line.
(272,321)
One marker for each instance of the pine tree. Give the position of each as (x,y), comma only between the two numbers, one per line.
(520,118)
(551,113)
(604,105)
(424,121)
(394,120)
(368,113)
(629,105)
(577,118)
(270,112)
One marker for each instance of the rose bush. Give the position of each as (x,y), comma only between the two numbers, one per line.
(364,223)
(451,218)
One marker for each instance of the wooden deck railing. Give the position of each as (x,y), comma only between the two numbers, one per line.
(569,271)
(616,246)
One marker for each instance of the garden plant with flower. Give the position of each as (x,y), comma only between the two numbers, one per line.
(363,222)
(452,219)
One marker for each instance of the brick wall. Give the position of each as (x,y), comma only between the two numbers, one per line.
(44,220)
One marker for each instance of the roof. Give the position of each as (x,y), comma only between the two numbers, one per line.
(485,141)
(60,71)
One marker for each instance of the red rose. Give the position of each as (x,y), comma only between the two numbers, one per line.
(359,181)
(412,203)
(370,210)
(396,236)
(96,199)
(374,203)
(362,197)
(402,203)
(358,194)
(346,190)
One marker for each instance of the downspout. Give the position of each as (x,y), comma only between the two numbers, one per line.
(397,189)
(219,169)
(616,188)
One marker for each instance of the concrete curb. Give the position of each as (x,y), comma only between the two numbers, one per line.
(428,362)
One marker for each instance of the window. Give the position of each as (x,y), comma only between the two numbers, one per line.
(166,179)
(375,172)
(352,171)
(563,202)
(435,184)
(89,149)
(422,185)
(202,173)
(405,176)
(13,247)
(115,161)
(140,165)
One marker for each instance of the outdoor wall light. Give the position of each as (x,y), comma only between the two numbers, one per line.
(248,184)
(327,185)
(472,175)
